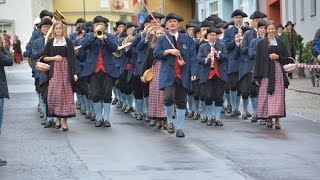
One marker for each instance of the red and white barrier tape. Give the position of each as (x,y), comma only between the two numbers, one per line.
(309,66)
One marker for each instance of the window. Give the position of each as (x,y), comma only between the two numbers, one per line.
(2,1)
(104,4)
(302,10)
(211,8)
(215,6)
(313,7)
(203,14)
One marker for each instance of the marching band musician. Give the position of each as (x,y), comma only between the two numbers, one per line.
(127,81)
(246,66)
(120,25)
(100,68)
(233,63)
(42,83)
(78,24)
(252,57)
(175,73)
(213,56)
(141,90)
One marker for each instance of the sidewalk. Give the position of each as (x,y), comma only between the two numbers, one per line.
(303,85)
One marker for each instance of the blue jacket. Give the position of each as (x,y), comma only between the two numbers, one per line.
(134,56)
(120,62)
(187,50)
(246,64)
(36,34)
(229,40)
(204,50)
(81,57)
(93,45)
(37,49)
(142,51)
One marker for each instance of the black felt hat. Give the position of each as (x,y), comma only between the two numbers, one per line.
(220,24)
(258,15)
(80,20)
(213,17)
(98,19)
(45,13)
(238,12)
(131,24)
(45,21)
(213,29)
(289,23)
(195,21)
(226,26)
(173,16)
(206,23)
(190,24)
(120,22)
(280,25)
(156,15)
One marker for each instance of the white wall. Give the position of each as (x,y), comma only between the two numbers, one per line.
(20,16)
(309,25)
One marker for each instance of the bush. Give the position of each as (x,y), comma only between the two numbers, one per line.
(300,48)
(306,52)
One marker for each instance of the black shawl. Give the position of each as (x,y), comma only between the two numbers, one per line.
(71,59)
(148,60)
(264,67)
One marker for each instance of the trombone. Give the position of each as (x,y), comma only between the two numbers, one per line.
(125,43)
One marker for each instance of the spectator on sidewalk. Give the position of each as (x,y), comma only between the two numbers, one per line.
(5,60)
(7,40)
(17,55)
(293,41)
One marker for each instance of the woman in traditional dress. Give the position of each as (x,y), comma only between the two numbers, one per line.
(155,102)
(17,55)
(271,55)
(59,53)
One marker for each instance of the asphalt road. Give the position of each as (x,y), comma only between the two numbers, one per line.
(132,150)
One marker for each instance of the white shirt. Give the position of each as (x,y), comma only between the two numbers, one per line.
(176,35)
(63,40)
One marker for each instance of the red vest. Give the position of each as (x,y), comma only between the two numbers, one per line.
(100,66)
(215,70)
(176,65)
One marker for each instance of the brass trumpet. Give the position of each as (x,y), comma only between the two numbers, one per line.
(126,42)
(100,33)
(151,29)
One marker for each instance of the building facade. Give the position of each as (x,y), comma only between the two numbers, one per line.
(18,20)
(224,8)
(305,14)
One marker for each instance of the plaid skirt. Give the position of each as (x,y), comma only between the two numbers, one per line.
(272,105)
(60,95)
(156,97)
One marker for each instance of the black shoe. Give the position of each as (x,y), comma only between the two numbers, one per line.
(124,107)
(179,133)
(204,119)
(233,113)
(186,113)
(238,113)
(119,104)
(48,124)
(249,114)
(78,105)
(170,128)
(244,115)
(106,123)
(139,117)
(228,109)
(3,162)
(58,126)
(87,116)
(219,123)
(83,111)
(41,114)
(209,122)
(263,122)
(147,119)
(92,117)
(43,121)
(190,114)
(254,118)
(196,116)
(152,122)
(128,109)
(65,129)
(98,124)
(114,101)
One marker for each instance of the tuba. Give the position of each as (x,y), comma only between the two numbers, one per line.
(57,16)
